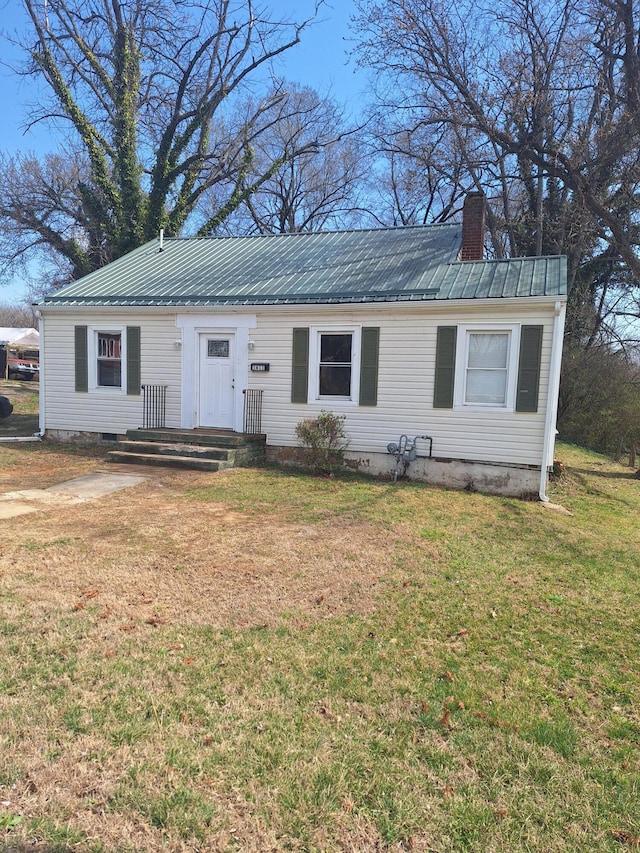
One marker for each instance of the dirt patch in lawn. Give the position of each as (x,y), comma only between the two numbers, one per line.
(150,556)
(39,465)
(153,558)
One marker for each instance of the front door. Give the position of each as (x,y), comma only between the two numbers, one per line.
(217,380)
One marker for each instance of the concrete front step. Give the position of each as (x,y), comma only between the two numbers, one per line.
(211,439)
(205,451)
(191,462)
(199,451)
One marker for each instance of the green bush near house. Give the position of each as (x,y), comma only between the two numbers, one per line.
(324,441)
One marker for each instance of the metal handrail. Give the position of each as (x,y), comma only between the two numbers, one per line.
(252,411)
(154,403)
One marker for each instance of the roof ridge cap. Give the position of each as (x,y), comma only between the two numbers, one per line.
(371,230)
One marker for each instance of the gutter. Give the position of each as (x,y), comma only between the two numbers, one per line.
(439,306)
(559,309)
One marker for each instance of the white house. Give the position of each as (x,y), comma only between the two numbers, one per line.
(404,331)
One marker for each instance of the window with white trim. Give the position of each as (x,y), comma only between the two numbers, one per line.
(486,367)
(487,364)
(334,364)
(107,358)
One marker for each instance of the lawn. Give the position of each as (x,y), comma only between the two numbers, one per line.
(24,397)
(261,661)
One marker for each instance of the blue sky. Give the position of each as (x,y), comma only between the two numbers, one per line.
(321,61)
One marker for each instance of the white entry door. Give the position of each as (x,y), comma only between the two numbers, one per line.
(217,385)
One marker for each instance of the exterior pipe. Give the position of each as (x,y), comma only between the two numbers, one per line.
(41,376)
(552,397)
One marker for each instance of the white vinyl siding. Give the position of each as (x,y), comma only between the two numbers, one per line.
(405,386)
(107,410)
(407,354)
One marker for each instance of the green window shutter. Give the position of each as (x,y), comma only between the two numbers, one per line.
(529,369)
(133,360)
(300,366)
(445,367)
(369,366)
(81,358)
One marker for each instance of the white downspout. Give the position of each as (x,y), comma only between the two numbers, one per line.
(559,309)
(41,376)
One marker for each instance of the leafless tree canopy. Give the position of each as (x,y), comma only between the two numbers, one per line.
(171,115)
(538,103)
(17,316)
(158,102)
(319,189)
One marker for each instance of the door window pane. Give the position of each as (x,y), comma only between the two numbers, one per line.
(218,348)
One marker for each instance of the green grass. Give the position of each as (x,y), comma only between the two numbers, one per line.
(489,701)
(23,396)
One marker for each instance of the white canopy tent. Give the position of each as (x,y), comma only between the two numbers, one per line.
(19,337)
(19,350)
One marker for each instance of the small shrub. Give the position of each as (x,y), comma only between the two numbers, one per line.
(325,442)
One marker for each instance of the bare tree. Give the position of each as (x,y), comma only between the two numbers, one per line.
(17,316)
(319,188)
(156,101)
(538,103)
(418,177)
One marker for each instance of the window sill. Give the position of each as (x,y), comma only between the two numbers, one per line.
(332,401)
(478,407)
(109,390)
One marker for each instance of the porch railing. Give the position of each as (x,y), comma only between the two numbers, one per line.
(252,411)
(154,403)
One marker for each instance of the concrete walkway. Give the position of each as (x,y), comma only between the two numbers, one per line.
(91,487)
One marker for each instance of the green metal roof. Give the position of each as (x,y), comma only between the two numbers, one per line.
(385,265)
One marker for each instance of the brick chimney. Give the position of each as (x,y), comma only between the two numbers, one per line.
(473,227)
